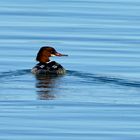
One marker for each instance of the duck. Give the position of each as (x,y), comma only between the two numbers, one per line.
(45,66)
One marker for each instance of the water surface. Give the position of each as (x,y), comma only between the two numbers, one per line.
(99,96)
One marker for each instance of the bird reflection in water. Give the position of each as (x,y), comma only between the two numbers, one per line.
(46,86)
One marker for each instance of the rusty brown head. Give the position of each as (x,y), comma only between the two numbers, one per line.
(46,52)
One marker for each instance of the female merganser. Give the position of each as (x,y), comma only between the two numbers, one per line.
(45,66)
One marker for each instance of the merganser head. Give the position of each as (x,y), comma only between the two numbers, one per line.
(46,52)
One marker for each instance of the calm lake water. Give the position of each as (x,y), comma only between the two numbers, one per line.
(98,98)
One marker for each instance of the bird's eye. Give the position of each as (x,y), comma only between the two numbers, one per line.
(52,52)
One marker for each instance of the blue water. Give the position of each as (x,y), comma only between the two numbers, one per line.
(98,98)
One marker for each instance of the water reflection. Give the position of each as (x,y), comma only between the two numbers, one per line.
(46,86)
